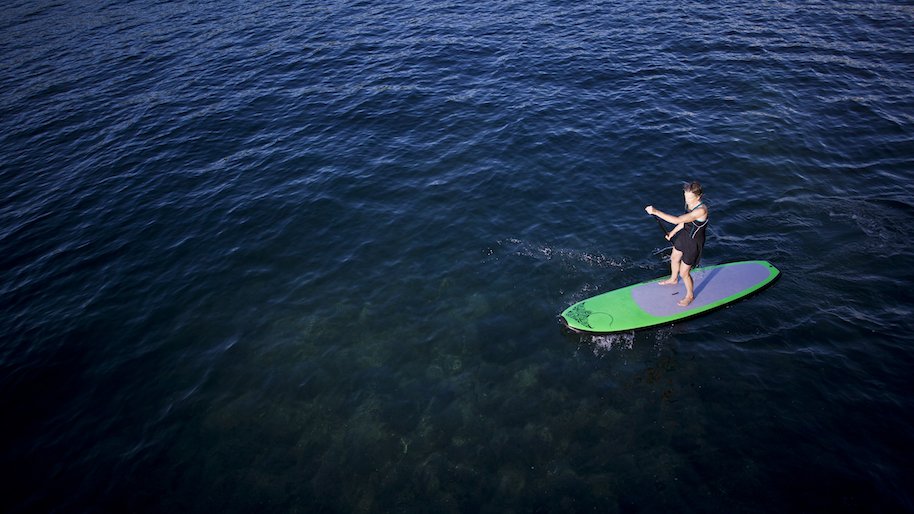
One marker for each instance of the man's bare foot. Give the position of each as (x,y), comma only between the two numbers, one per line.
(685,301)
(668,282)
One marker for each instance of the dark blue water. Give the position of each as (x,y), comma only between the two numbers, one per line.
(308,257)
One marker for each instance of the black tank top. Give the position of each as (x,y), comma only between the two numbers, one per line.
(698,227)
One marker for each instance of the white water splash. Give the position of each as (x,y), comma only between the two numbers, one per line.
(603,345)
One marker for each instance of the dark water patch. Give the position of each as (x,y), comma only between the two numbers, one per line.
(276,257)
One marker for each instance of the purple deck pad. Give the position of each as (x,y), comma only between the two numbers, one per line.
(711,285)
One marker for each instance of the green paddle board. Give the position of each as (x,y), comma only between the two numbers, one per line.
(649,304)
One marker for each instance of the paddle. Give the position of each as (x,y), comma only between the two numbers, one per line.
(665,233)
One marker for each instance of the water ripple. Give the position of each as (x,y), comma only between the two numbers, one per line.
(261,242)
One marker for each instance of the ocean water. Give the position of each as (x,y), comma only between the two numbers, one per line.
(308,256)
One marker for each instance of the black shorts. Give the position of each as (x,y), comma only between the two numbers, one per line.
(690,248)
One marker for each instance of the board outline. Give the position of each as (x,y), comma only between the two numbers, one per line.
(697,314)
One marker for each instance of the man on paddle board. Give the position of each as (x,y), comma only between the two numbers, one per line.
(687,244)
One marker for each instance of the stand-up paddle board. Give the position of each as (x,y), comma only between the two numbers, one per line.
(650,304)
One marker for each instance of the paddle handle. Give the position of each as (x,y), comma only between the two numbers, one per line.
(665,233)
